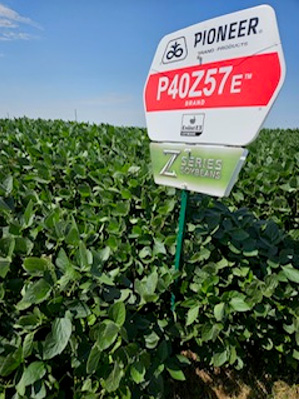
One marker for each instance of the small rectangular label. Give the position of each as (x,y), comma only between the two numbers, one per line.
(192,125)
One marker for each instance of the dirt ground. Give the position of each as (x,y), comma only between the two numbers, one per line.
(230,384)
(203,385)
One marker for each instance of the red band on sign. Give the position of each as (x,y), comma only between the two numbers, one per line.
(239,82)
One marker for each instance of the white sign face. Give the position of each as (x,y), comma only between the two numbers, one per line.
(215,82)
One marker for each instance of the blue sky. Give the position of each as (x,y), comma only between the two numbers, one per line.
(93,56)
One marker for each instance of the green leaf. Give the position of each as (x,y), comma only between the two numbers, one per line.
(121,208)
(251,253)
(29,214)
(233,355)
(163,351)
(159,248)
(84,190)
(58,338)
(183,359)
(39,391)
(29,321)
(176,374)
(239,235)
(204,254)
(28,344)
(145,252)
(147,286)
(291,273)
(104,254)
(107,334)
(234,249)
(220,358)
(85,256)
(4,266)
(23,246)
(34,372)
(209,332)
(106,280)
(167,208)
(151,340)
(7,246)
(79,308)
(151,283)
(117,313)
(219,311)
(113,381)
(296,354)
(93,359)
(4,206)
(289,328)
(137,372)
(239,305)
(192,315)
(35,266)
(7,184)
(134,169)
(62,260)
(35,293)
(2,291)
(11,362)
(73,237)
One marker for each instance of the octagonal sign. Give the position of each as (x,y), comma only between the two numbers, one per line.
(215,82)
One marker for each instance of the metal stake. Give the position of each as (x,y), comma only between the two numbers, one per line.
(180,237)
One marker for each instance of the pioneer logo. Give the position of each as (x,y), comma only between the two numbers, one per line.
(233,30)
(176,50)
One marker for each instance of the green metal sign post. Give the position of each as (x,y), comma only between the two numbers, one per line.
(180,237)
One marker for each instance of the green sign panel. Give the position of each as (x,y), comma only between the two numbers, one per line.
(206,169)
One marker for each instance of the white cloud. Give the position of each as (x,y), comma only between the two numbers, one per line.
(9,36)
(9,15)
(11,24)
(6,23)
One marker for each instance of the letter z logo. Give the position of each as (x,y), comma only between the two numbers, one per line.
(165,171)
